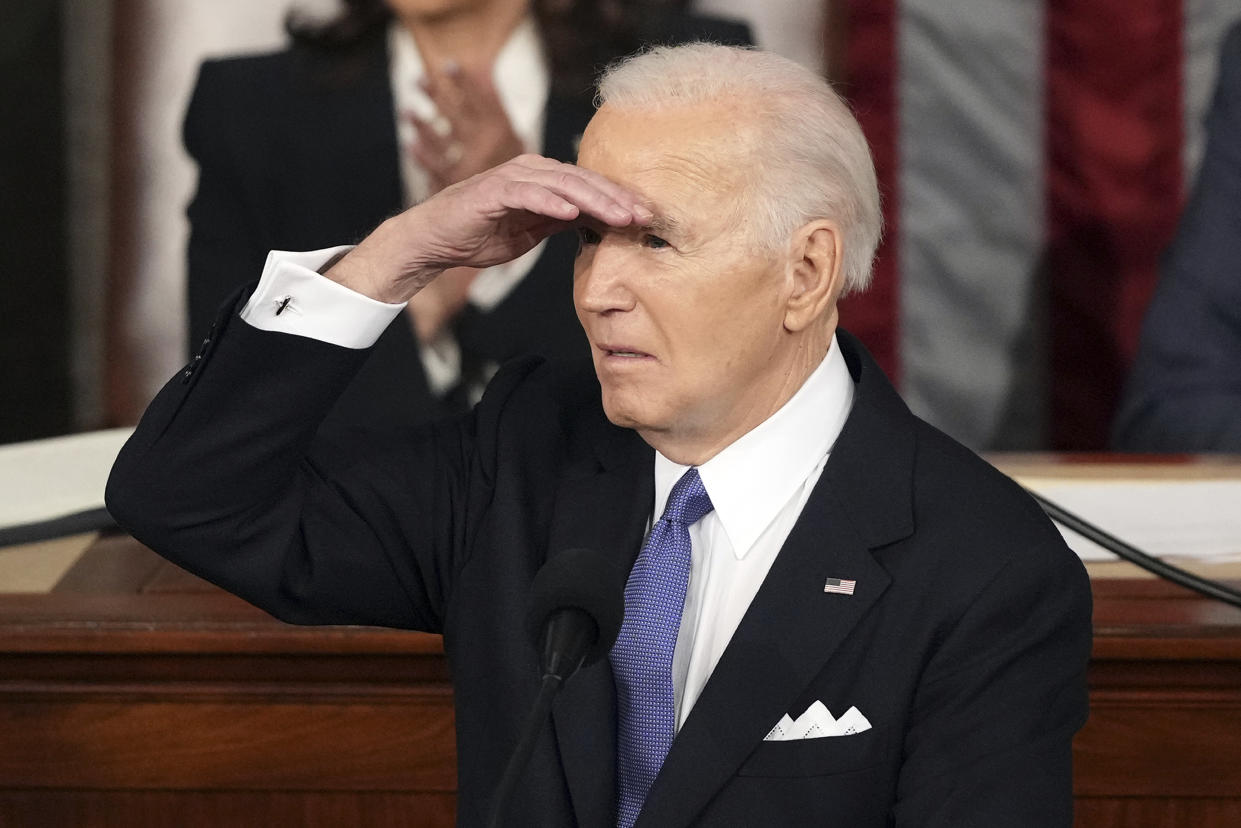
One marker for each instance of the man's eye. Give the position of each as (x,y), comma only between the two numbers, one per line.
(586,236)
(654,242)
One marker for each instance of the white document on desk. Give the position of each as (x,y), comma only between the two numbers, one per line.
(1189,519)
(57,476)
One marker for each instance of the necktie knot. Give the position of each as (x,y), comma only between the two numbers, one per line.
(688,502)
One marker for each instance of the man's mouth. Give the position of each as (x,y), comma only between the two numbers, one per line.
(623,352)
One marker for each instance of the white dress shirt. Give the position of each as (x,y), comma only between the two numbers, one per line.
(522,83)
(758,485)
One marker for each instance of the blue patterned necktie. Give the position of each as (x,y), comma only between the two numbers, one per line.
(642,655)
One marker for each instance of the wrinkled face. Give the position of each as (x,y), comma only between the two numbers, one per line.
(685,317)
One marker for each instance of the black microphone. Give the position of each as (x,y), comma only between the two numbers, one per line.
(576,608)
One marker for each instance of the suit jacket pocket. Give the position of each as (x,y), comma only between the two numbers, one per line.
(816,757)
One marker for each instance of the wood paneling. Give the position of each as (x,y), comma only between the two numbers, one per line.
(1153,812)
(137,695)
(228,738)
(194,809)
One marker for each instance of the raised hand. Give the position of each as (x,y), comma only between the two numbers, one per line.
(475,134)
(487,219)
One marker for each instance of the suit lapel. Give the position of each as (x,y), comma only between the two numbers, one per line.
(604,507)
(789,632)
(793,627)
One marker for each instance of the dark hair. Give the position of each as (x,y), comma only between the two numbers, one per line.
(356,20)
(581,36)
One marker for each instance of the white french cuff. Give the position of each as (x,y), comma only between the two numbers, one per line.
(293,297)
(816,723)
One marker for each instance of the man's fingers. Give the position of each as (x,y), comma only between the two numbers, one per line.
(513,206)
(576,183)
(539,199)
(590,193)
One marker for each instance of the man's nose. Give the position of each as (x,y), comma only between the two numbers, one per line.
(600,282)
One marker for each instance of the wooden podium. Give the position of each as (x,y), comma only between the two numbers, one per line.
(136,695)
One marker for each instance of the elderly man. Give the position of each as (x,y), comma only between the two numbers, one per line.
(834,614)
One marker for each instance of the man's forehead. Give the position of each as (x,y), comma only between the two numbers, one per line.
(698,146)
(713,122)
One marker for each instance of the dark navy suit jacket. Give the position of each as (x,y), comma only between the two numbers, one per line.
(965,642)
(1184,393)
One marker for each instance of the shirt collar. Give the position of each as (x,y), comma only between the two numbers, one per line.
(520,75)
(752,479)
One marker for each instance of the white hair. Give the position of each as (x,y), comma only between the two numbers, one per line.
(813,162)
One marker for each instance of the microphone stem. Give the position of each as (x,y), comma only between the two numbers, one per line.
(525,746)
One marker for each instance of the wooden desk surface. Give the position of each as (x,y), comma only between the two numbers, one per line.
(138,694)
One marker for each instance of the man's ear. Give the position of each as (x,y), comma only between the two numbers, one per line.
(814,272)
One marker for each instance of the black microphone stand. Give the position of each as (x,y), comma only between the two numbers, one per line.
(525,746)
(568,635)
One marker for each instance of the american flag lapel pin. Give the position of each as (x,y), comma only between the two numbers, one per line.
(839,586)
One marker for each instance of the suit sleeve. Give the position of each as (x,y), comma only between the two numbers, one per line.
(1184,393)
(228,132)
(989,741)
(224,476)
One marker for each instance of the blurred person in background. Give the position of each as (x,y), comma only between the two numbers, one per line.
(1184,394)
(379,108)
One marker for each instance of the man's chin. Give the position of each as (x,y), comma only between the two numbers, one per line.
(625,416)
(622,419)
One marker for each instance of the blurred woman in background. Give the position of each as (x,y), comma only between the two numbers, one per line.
(378,108)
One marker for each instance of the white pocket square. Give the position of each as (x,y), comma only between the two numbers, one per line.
(816,723)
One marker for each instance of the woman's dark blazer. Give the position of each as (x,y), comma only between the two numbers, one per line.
(297,151)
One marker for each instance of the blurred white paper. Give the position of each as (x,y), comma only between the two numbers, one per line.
(45,479)
(1190,519)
